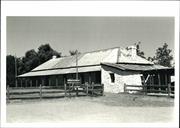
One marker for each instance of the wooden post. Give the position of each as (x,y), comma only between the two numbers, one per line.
(26,82)
(86,89)
(159,81)
(102,89)
(65,89)
(31,83)
(15,64)
(166,83)
(124,88)
(153,79)
(92,89)
(76,91)
(36,83)
(8,96)
(89,78)
(145,89)
(76,65)
(56,81)
(143,84)
(49,80)
(40,91)
(21,82)
(169,90)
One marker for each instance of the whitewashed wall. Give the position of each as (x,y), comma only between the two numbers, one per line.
(112,57)
(121,78)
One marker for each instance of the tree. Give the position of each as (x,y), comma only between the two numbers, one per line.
(163,56)
(74,52)
(10,70)
(28,62)
(45,52)
(139,52)
(31,60)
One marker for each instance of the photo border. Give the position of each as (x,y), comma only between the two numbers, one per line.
(88,8)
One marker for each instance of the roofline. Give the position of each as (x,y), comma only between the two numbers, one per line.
(64,68)
(123,69)
(167,68)
(135,63)
(105,49)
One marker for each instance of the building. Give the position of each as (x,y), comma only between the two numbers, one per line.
(112,67)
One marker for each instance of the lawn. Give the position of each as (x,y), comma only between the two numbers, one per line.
(111,108)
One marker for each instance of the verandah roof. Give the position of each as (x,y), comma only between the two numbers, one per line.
(136,67)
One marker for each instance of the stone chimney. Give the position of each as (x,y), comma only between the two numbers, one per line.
(132,51)
(54,57)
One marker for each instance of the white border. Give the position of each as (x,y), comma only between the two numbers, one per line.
(87,8)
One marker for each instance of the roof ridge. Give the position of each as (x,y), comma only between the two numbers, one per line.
(105,49)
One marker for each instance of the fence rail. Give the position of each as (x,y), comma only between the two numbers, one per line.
(55,91)
(167,89)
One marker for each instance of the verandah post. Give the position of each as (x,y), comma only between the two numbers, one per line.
(166,83)
(36,83)
(21,82)
(31,82)
(159,81)
(144,87)
(86,89)
(56,80)
(92,88)
(40,91)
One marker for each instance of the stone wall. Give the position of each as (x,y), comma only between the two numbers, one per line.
(121,78)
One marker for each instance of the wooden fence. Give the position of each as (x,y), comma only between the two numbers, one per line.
(145,89)
(54,91)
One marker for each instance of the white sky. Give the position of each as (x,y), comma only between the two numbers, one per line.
(88,33)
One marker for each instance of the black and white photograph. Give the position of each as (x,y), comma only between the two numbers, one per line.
(90,69)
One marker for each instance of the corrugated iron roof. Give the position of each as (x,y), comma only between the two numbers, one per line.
(125,57)
(86,62)
(61,71)
(135,67)
(84,59)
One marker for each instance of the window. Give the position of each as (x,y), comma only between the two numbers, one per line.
(112,77)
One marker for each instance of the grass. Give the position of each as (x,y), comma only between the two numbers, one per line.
(111,108)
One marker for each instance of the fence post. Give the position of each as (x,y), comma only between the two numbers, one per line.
(8,93)
(145,89)
(65,89)
(76,91)
(169,90)
(92,89)
(87,89)
(124,88)
(102,89)
(40,91)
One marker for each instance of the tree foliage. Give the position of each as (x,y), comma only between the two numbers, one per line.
(163,56)
(10,70)
(29,61)
(74,52)
(45,52)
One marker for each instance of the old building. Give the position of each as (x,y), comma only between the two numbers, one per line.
(112,67)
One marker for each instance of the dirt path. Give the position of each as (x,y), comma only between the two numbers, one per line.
(112,108)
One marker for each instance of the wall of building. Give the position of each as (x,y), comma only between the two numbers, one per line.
(121,78)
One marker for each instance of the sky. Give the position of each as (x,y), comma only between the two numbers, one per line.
(88,33)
